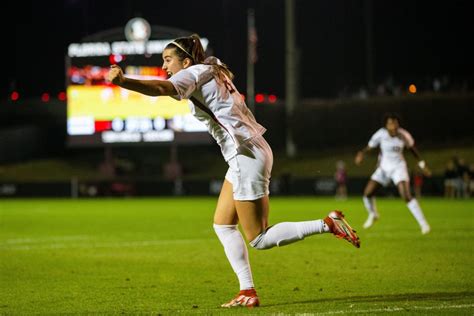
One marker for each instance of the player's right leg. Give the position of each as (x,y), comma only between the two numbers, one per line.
(369,202)
(235,248)
(341,229)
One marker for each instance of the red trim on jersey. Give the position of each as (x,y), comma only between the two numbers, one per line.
(208,112)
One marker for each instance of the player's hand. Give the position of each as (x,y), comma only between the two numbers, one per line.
(424,168)
(426,172)
(115,75)
(358,158)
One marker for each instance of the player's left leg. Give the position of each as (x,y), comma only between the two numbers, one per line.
(250,172)
(253,216)
(413,206)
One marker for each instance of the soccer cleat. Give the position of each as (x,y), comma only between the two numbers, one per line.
(245,298)
(370,220)
(425,229)
(341,229)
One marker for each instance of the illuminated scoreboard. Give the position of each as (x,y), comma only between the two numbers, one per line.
(99,112)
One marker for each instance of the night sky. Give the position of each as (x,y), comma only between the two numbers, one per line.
(412,40)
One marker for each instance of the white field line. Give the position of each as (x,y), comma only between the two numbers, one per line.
(45,239)
(63,243)
(391,309)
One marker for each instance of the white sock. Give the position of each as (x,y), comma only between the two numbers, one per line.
(286,233)
(369,203)
(415,209)
(236,252)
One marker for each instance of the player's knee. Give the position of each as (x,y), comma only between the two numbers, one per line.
(369,192)
(406,196)
(259,242)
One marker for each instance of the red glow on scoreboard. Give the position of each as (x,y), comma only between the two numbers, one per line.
(116,58)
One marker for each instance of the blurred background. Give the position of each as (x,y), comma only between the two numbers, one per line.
(319,75)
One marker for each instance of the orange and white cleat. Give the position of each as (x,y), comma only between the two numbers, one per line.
(341,229)
(245,298)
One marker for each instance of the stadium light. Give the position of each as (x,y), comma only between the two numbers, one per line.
(259,98)
(412,89)
(14,96)
(45,97)
(272,98)
(62,96)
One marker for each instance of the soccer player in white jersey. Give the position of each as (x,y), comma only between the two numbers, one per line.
(392,139)
(214,100)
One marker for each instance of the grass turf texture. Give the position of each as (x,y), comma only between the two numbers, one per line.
(160,256)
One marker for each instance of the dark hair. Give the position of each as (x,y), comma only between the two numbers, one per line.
(191,47)
(391,115)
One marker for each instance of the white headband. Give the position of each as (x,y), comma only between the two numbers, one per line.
(181,47)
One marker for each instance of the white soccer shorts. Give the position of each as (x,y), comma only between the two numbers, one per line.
(396,175)
(250,170)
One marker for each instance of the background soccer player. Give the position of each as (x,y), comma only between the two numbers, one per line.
(215,101)
(391,139)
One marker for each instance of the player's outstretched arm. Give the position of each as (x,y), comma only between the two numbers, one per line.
(421,163)
(360,155)
(148,87)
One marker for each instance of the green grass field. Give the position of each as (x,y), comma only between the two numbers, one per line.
(160,256)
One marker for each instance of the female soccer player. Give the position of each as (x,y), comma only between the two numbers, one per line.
(214,100)
(392,167)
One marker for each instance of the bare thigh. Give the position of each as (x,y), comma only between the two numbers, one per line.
(225,213)
(252,215)
(404,190)
(371,188)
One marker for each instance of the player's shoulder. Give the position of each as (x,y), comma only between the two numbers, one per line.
(194,69)
(376,138)
(381,132)
(200,67)
(196,73)
(201,71)
(406,136)
(403,131)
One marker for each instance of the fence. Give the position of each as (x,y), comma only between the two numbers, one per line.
(283,186)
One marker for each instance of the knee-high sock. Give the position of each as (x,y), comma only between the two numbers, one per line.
(288,232)
(415,209)
(236,252)
(369,203)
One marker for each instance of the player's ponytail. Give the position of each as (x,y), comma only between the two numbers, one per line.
(197,51)
(220,70)
(191,47)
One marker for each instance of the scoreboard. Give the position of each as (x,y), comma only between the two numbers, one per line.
(100,113)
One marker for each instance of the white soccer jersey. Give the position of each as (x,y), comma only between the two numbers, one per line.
(391,148)
(219,106)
